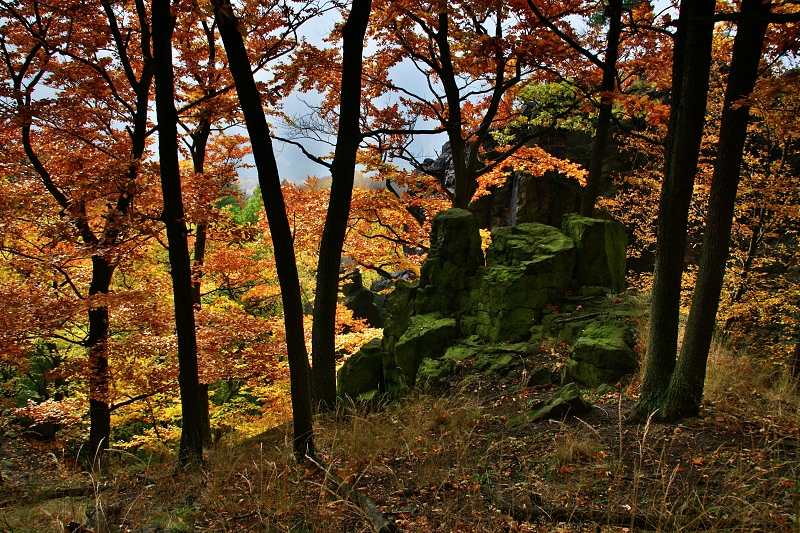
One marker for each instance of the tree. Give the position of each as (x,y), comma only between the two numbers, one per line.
(343,169)
(691,65)
(190,451)
(269,181)
(101,111)
(685,391)
(472,56)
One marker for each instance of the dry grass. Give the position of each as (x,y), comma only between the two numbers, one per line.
(433,464)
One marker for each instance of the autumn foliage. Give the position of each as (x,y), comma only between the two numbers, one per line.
(512,87)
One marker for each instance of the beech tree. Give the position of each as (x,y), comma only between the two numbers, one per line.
(269,181)
(343,167)
(190,450)
(101,109)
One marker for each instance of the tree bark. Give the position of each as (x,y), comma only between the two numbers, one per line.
(323,335)
(685,391)
(269,181)
(464,180)
(200,141)
(794,363)
(97,347)
(690,90)
(607,85)
(190,452)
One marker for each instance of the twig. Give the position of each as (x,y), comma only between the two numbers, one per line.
(577,318)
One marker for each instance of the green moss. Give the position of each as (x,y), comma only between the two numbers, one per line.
(362,372)
(432,371)
(427,336)
(601,247)
(606,344)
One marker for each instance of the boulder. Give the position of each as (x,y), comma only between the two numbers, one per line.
(528,266)
(601,251)
(427,337)
(454,257)
(567,400)
(459,354)
(524,243)
(500,358)
(433,371)
(362,372)
(602,354)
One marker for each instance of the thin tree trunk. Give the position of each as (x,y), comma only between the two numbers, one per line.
(756,233)
(464,181)
(691,68)
(190,450)
(607,85)
(686,386)
(269,181)
(200,140)
(342,172)
(794,363)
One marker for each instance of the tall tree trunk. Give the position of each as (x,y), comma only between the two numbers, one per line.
(794,363)
(190,450)
(686,386)
(343,168)
(270,183)
(200,141)
(97,347)
(607,85)
(690,89)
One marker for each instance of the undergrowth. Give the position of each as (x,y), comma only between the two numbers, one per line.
(448,462)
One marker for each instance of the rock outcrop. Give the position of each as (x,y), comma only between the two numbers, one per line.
(600,251)
(495,313)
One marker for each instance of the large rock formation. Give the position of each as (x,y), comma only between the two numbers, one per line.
(527,267)
(601,247)
(454,258)
(496,314)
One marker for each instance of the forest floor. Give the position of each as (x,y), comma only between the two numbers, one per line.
(448,462)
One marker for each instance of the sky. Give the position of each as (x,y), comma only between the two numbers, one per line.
(293,165)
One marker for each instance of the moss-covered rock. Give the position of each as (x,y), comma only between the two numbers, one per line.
(399,309)
(454,257)
(493,362)
(514,246)
(590,376)
(606,344)
(459,353)
(362,372)
(602,354)
(428,336)
(528,266)
(500,358)
(433,371)
(601,247)
(567,400)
